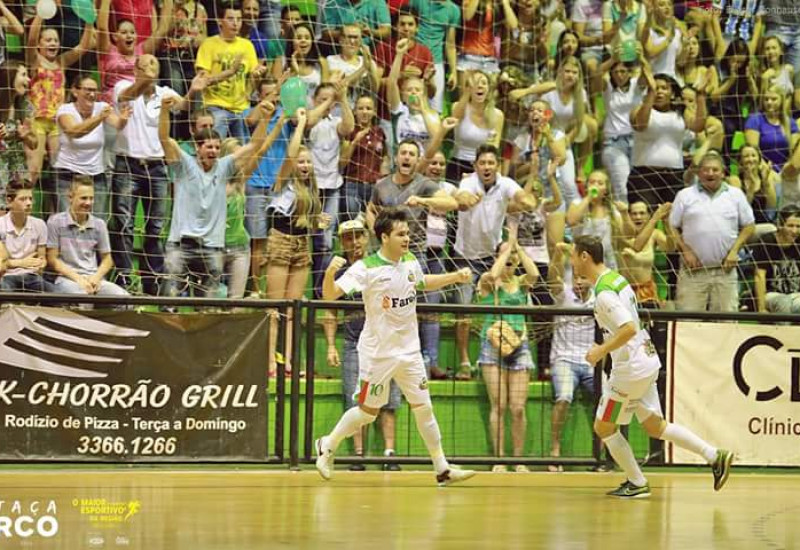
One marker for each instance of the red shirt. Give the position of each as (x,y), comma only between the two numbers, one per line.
(479,34)
(395,5)
(418,56)
(140,12)
(365,163)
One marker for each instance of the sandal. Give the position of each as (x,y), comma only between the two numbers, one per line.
(464,371)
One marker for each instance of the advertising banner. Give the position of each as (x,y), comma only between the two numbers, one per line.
(738,387)
(127,386)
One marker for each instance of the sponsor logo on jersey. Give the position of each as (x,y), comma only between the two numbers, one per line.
(391,302)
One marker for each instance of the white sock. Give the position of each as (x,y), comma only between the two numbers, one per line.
(621,452)
(429,430)
(683,437)
(350,422)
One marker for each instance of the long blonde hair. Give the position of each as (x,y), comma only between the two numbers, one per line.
(784,116)
(307,206)
(489,106)
(579,105)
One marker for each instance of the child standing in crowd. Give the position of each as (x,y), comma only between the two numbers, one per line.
(48,83)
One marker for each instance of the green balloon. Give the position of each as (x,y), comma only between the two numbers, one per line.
(84,9)
(293,95)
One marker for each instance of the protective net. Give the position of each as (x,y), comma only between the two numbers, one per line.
(235,149)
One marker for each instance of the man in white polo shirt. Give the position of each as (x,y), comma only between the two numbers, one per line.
(712,221)
(23,239)
(483,198)
(140,173)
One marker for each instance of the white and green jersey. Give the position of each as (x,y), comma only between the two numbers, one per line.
(389,292)
(615,305)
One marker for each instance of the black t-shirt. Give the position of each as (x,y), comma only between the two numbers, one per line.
(782,264)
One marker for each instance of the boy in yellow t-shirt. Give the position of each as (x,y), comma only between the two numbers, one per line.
(228,62)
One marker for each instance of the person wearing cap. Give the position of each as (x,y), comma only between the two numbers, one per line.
(354,241)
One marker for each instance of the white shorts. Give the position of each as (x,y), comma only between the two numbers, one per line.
(408,371)
(622,398)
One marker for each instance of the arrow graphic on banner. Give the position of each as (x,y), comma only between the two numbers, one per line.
(43,339)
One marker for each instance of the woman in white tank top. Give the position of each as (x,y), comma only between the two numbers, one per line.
(621,93)
(663,45)
(479,122)
(303,60)
(572,114)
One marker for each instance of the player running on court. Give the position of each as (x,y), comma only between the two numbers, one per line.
(389,344)
(631,388)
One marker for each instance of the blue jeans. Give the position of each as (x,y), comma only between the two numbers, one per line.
(63,182)
(355,199)
(269,18)
(617,154)
(322,241)
(229,124)
(429,328)
(24,282)
(146,181)
(189,263)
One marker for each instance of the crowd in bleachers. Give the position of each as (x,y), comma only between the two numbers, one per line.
(220,148)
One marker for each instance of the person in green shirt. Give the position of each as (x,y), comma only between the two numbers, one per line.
(505,358)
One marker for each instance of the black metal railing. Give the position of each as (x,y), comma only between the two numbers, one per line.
(304,331)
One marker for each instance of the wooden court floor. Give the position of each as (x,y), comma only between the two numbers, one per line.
(153,509)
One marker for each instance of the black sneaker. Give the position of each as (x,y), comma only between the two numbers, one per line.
(390,467)
(629,490)
(721,468)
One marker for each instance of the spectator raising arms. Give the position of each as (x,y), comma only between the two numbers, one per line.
(505,359)
(48,83)
(17,142)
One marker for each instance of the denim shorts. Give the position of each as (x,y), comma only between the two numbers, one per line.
(567,376)
(471,62)
(519,360)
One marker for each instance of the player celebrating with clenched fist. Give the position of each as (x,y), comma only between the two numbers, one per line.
(389,347)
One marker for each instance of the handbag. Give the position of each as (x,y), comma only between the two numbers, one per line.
(501,335)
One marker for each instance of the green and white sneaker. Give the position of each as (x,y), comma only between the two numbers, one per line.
(721,468)
(629,490)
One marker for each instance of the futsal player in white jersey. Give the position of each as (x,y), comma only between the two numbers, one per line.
(631,388)
(389,348)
